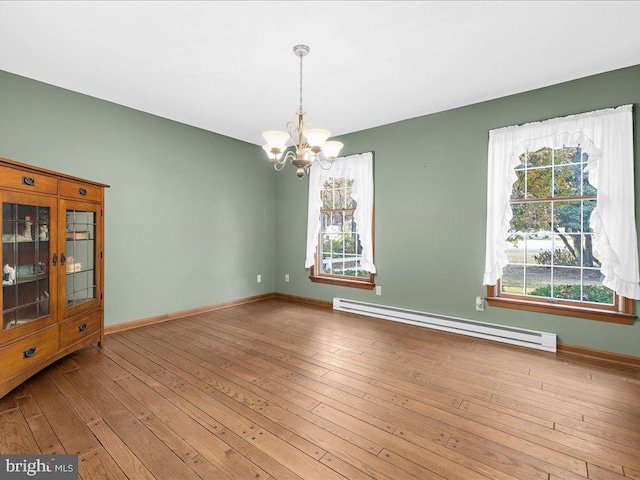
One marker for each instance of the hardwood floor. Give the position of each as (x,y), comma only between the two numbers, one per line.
(278,390)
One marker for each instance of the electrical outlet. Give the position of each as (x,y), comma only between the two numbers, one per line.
(286,277)
(480,304)
(259,279)
(378,290)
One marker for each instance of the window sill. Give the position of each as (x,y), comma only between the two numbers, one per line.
(343,282)
(568,310)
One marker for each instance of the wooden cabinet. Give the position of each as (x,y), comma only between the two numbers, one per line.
(52,268)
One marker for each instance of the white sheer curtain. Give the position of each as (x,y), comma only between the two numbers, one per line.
(607,137)
(360,169)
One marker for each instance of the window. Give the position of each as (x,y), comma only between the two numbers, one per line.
(339,252)
(340,228)
(550,243)
(559,245)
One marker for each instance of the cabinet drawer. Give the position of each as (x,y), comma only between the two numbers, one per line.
(80,191)
(75,330)
(23,354)
(27,181)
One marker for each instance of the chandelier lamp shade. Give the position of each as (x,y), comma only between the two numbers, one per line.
(309,144)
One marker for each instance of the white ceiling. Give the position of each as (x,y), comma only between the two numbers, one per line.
(228,67)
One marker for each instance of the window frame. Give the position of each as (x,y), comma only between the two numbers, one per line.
(621,311)
(344,281)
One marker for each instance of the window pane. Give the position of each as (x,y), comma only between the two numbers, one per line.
(349,225)
(517,192)
(336,222)
(594,291)
(513,279)
(587,188)
(567,181)
(538,281)
(539,183)
(540,158)
(531,217)
(339,198)
(337,265)
(590,257)
(351,203)
(363,274)
(325,222)
(567,250)
(587,206)
(515,249)
(566,283)
(335,243)
(538,249)
(326,263)
(566,155)
(326,243)
(567,216)
(327,199)
(349,243)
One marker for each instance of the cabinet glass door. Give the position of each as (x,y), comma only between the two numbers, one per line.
(80,257)
(27,287)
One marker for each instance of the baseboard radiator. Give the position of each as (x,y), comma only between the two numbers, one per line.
(499,333)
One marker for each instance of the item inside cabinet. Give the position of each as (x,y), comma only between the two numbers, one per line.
(77,235)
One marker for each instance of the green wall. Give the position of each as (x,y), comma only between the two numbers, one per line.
(430,209)
(189,215)
(192,217)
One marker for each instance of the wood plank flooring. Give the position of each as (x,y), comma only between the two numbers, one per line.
(279,390)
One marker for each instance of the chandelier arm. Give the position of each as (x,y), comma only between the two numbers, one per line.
(278,165)
(290,155)
(292,130)
(322,162)
(295,134)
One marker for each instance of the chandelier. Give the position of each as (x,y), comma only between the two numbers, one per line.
(310,144)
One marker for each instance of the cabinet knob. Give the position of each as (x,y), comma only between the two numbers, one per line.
(82,191)
(29,352)
(55,259)
(62,258)
(82,327)
(29,181)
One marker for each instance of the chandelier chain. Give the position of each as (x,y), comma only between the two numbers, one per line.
(301,83)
